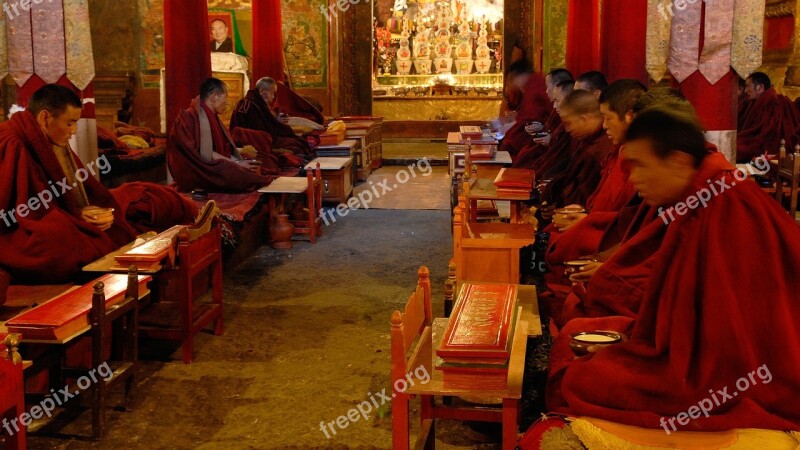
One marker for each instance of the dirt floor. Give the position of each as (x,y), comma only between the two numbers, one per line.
(306,339)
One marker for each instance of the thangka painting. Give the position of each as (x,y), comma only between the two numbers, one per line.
(305,42)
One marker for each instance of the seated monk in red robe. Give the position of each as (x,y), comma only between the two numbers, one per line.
(201,154)
(253,112)
(769,118)
(715,344)
(581,232)
(539,149)
(580,112)
(533,105)
(54,215)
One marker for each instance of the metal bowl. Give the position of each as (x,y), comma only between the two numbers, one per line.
(587,342)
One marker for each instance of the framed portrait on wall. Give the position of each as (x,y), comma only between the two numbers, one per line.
(221,25)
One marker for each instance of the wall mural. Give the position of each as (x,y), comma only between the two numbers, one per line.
(555,34)
(152,50)
(305,43)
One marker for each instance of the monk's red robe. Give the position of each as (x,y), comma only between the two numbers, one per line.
(535,107)
(49,244)
(251,112)
(191,171)
(770,118)
(553,160)
(152,207)
(290,102)
(583,173)
(583,238)
(708,319)
(531,151)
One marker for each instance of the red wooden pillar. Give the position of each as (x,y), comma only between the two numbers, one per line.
(623,37)
(583,36)
(267,40)
(187,51)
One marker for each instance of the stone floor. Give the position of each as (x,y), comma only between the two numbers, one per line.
(306,339)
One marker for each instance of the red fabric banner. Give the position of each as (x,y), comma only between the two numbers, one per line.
(623,39)
(583,36)
(267,40)
(187,51)
(715,103)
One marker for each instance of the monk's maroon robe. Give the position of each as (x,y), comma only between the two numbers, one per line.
(768,119)
(48,244)
(613,193)
(583,173)
(251,112)
(708,317)
(531,151)
(191,172)
(290,102)
(535,107)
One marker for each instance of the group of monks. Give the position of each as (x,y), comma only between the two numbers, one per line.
(694,264)
(704,298)
(203,154)
(56,217)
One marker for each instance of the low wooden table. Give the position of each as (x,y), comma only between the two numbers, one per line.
(484,189)
(311,187)
(337,178)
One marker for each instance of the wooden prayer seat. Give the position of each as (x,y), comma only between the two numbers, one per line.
(112,332)
(310,186)
(415,336)
(787,178)
(12,392)
(177,314)
(487,252)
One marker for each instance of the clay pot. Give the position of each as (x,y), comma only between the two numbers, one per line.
(281,232)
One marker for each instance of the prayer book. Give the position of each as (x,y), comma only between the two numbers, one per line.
(514,182)
(480,326)
(482,151)
(471,131)
(152,251)
(68,313)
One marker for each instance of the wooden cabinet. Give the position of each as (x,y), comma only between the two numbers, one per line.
(235,81)
(367,130)
(337,178)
